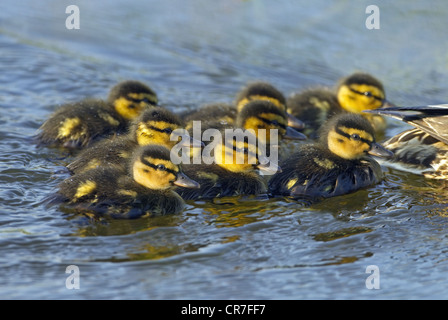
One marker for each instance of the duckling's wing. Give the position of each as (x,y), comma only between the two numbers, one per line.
(307,178)
(313,106)
(76,125)
(300,177)
(114,152)
(432,119)
(364,174)
(208,179)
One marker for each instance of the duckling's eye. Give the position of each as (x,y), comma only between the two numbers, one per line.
(368,94)
(161,167)
(274,122)
(168,130)
(355,137)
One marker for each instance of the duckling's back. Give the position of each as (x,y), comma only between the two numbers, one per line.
(114,152)
(313,173)
(314,107)
(106,190)
(76,125)
(218,182)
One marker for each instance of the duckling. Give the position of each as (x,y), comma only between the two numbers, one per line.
(255,115)
(147,189)
(355,93)
(232,171)
(335,165)
(264,115)
(217,115)
(76,125)
(260,90)
(153,126)
(424,149)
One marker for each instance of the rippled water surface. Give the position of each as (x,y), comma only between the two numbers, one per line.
(191,53)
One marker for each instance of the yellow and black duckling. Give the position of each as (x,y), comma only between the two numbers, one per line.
(335,165)
(153,126)
(232,171)
(76,125)
(219,115)
(424,149)
(355,93)
(260,90)
(147,189)
(261,116)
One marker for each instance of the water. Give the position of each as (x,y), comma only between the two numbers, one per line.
(197,52)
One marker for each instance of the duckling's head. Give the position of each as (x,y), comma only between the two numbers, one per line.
(260,90)
(130,98)
(360,91)
(243,154)
(153,169)
(155,126)
(350,136)
(263,116)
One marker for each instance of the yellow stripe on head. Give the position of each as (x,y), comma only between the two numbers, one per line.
(155,132)
(153,173)
(144,135)
(246,100)
(237,156)
(127,109)
(131,106)
(361,133)
(358,97)
(266,122)
(143,97)
(166,163)
(347,147)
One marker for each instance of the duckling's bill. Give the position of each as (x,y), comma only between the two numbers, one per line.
(387,104)
(294,122)
(293,134)
(379,151)
(268,169)
(186,182)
